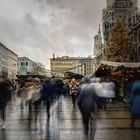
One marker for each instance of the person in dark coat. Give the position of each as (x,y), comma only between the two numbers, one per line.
(134,100)
(87,102)
(66,88)
(5,96)
(59,87)
(47,95)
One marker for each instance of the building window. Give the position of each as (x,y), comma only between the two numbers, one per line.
(4,69)
(26,63)
(22,63)
(4,63)
(4,56)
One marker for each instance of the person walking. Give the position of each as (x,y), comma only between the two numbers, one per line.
(5,96)
(74,85)
(134,101)
(88,101)
(47,95)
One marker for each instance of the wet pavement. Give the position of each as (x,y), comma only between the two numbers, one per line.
(66,123)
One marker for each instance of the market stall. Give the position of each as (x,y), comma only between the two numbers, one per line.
(121,73)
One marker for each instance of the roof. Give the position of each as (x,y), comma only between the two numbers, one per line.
(69,74)
(7,48)
(25,59)
(71,58)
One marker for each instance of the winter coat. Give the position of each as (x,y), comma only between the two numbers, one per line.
(74,89)
(5,95)
(36,96)
(26,93)
(87,98)
(98,88)
(48,91)
(134,98)
(108,90)
(59,85)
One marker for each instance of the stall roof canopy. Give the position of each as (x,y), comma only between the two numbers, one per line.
(116,64)
(69,74)
(27,76)
(117,68)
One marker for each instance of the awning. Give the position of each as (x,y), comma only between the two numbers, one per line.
(69,75)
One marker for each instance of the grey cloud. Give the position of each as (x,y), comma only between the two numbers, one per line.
(37,28)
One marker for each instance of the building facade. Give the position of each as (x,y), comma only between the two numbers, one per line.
(79,65)
(25,66)
(98,49)
(134,32)
(3,60)
(12,64)
(123,9)
(8,62)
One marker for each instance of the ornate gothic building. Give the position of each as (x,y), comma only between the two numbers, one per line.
(117,8)
(98,48)
(98,44)
(134,32)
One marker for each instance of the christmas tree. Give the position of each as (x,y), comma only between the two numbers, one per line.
(120,44)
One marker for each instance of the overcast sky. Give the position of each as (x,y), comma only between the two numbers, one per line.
(39,28)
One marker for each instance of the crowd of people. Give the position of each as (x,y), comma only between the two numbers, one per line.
(90,94)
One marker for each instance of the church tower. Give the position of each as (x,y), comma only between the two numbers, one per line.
(98,44)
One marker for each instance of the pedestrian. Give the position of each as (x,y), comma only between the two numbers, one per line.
(5,96)
(66,88)
(74,85)
(108,90)
(14,86)
(36,98)
(96,82)
(87,102)
(134,101)
(26,96)
(59,88)
(47,95)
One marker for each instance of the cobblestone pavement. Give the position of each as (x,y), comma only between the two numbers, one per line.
(66,123)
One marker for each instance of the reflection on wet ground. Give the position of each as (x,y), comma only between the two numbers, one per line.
(66,123)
